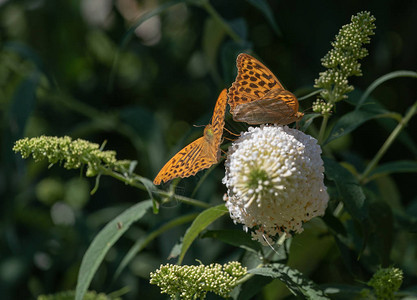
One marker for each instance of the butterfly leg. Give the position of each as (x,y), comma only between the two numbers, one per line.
(232,133)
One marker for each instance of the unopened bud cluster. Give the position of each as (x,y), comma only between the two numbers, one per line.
(72,154)
(342,61)
(194,282)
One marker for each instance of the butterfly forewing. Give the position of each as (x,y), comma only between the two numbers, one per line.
(253,81)
(257,96)
(200,154)
(217,121)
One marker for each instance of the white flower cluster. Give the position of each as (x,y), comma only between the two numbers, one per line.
(274,177)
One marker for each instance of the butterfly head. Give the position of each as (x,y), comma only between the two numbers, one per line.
(208,132)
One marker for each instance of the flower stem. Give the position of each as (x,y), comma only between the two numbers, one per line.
(135,183)
(323,128)
(210,9)
(388,142)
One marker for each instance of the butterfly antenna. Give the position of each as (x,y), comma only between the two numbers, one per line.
(229,139)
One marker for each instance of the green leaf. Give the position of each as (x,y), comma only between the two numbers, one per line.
(381,231)
(406,222)
(252,287)
(334,224)
(22,104)
(405,138)
(381,80)
(348,187)
(400,166)
(293,279)
(264,7)
(345,292)
(102,243)
(203,220)
(352,120)
(144,241)
(152,192)
(307,120)
(237,238)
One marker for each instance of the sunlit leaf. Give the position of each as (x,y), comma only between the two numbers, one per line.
(293,279)
(102,243)
(203,220)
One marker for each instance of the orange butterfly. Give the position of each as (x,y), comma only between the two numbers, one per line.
(257,96)
(200,154)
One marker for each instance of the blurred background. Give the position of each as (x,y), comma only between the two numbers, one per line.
(86,70)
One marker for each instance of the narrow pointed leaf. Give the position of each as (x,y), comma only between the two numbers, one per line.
(203,220)
(102,243)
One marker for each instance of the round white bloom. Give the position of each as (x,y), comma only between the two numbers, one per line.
(274,177)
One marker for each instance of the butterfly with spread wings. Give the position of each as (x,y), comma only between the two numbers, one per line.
(257,96)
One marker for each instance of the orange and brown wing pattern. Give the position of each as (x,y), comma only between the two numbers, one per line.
(200,154)
(217,121)
(254,80)
(187,162)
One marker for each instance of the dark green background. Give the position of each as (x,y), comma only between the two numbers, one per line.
(56,78)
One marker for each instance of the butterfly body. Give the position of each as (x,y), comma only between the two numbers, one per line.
(257,96)
(200,154)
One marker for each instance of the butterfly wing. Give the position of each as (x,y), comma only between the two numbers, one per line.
(217,121)
(254,80)
(187,162)
(277,107)
(200,154)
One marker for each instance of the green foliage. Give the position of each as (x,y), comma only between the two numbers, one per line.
(200,223)
(69,295)
(141,81)
(193,282)
(103,242)
(293,279)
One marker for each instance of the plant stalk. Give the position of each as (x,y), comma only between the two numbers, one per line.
(388,142)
